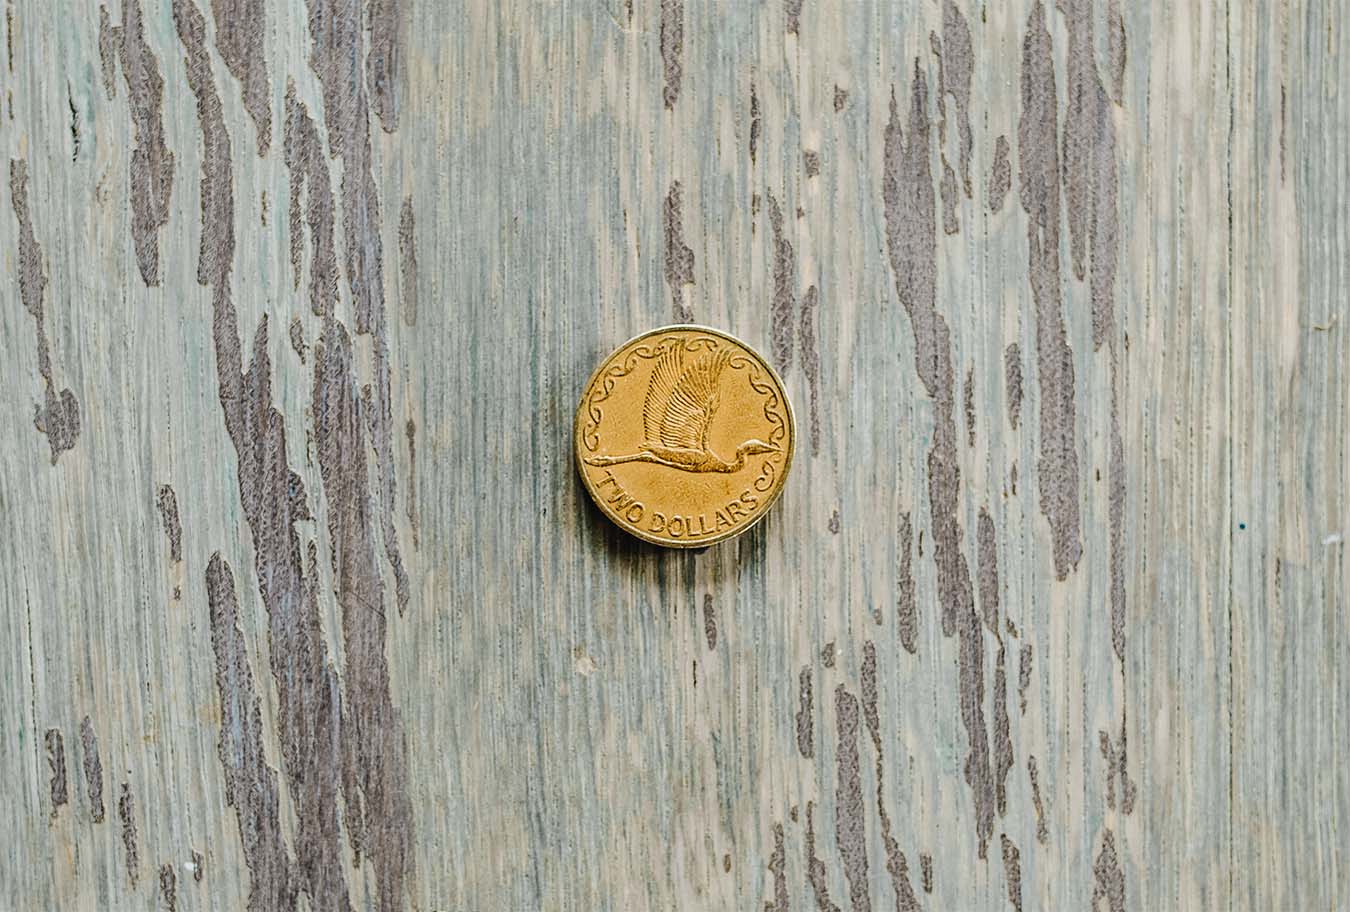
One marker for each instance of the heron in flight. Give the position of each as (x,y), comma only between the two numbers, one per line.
(680,404)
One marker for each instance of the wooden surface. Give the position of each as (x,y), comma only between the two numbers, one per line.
(304,607)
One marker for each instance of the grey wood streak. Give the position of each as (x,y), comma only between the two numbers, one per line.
(303,606)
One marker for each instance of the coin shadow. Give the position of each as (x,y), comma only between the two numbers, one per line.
(619,545)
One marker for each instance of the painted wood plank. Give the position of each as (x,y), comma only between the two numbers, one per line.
(301,603)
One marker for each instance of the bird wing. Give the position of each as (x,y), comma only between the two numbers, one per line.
(682,398)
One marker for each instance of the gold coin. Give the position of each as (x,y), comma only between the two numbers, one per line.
(684,436)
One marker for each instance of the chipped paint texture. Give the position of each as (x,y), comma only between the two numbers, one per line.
(250,782)
(1056,292)
(1057,463)
(93,770)
(811,363)
(385,21)
(784,292)
(152,164)
(168,887)
(167,504)
(56,762)
(241,31)
(897,866)
(273,499)
(806,743)
(126,813)
(407,256)
(849,828)
(58,417)
(1000,175)
(679,257)
(672,49)
(907,192)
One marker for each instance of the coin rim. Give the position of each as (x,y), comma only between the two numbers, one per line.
(642,534)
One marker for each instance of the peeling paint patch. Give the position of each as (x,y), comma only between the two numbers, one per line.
(1057,466)
(250,783)
(407,255)
(926,867)
(778,868)
(74,124)
(811,363)
(56,762)
(384,59)
(709,621)
(346,115)
(784,301)
(811,162)
(679,256)
(1089,170)
(1012,382)
(806,738)
(1110,882)
(168,887)
(296,333)
(197,866)
(241,27)
(754,125)
(151,160)
(109,40)
(1115,758)
(840,99)
(911,239)
(167,504)
(956,64)
(907,611)
(969,402)
(849,812)
(1042,832)
(273,499)
(1000,175)
(58,417)
(410,429)
(1115,50)
(987,548)
(1012,872)
(216,253)
(792,13)
(911,243)
(1002,738)
(1090,178)
(949,193)
(1023,677)
(827,654)
(896,863)
(308,167)
(816,874)
(375,767)
(93,769)
(126,812)
(672,50)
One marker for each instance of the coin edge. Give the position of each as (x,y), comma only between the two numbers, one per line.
(674,543)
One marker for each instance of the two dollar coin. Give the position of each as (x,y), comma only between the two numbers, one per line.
(684,436)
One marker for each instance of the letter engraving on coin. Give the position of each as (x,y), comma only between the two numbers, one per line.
(684,436)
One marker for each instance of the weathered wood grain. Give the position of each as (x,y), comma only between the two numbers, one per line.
(1052,614)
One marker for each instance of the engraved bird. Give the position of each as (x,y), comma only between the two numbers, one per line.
(681,401)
